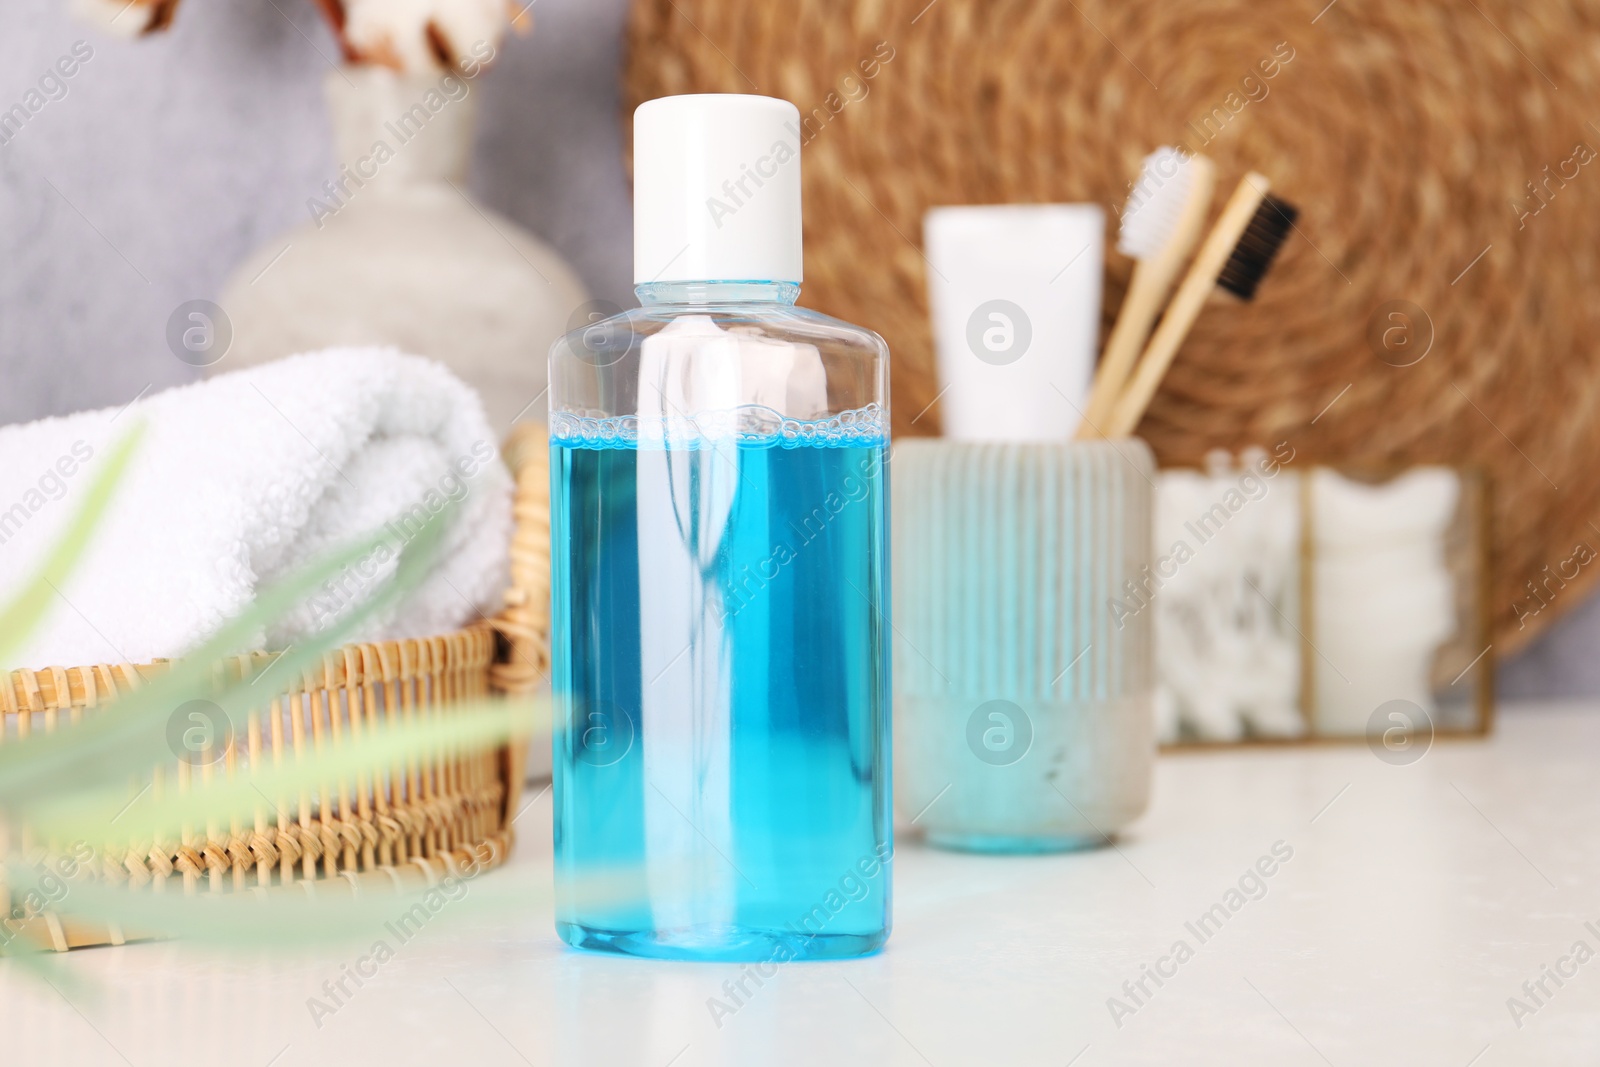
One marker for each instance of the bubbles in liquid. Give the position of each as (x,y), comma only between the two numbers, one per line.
(752,424)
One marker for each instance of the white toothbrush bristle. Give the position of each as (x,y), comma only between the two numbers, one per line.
(1156,203)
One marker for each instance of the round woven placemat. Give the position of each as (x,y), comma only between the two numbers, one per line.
(1408,134)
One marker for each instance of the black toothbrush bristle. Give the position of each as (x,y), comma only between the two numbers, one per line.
(1269,228)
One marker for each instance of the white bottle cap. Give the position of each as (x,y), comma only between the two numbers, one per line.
(716,189)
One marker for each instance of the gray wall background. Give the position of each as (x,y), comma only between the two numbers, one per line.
(172,157)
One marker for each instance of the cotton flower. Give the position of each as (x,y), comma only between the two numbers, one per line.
(422,36)
(127,18)
(410,36)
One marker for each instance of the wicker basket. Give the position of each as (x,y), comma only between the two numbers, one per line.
(1432,150)
(357,835)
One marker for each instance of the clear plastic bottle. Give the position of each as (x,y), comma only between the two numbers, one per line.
(719,555)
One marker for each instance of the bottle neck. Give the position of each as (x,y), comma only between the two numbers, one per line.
(782,294)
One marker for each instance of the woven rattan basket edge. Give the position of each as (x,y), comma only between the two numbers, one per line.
(470,826)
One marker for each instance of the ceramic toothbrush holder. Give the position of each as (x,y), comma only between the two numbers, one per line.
(1023,670)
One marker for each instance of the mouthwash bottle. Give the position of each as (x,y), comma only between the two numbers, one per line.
(720,578)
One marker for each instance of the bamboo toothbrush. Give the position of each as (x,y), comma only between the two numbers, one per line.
(1160,225)
(1235,257)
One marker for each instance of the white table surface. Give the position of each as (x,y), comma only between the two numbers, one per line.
(1418,900)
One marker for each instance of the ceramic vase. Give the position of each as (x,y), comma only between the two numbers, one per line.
(395,251)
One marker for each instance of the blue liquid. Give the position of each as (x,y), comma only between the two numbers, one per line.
(721,675)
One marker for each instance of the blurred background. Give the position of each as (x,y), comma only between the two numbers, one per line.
(168,162)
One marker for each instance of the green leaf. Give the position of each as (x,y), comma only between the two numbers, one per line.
(130,738)
(101,815)
(57,783)
(30,604)
(321,915)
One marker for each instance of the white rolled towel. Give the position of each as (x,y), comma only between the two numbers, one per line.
(245,478)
